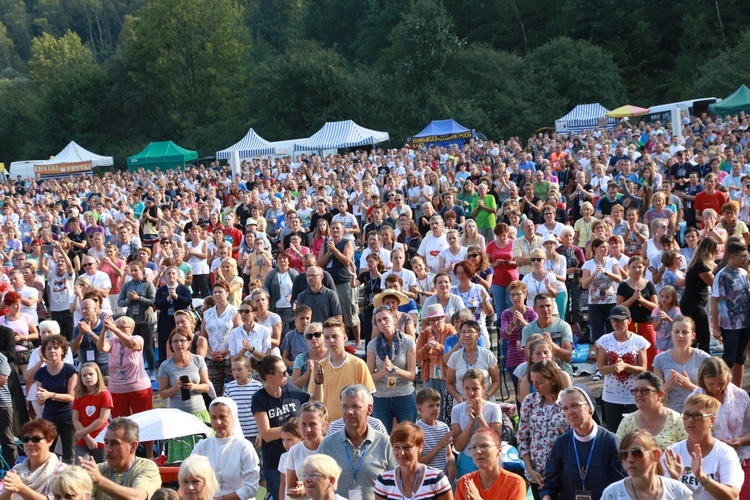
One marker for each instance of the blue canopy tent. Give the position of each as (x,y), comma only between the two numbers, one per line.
(250,146)
(338,135)
(585,117)
(442,133)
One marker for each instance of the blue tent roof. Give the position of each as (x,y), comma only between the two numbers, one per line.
(442,127)
(584,117)
(250,146)
(344,134)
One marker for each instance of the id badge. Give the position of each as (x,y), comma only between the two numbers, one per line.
(90,355)
(170,311)
(136,309)
(355,493)
(437,372)
(391,384)
(121,375)
(583,495)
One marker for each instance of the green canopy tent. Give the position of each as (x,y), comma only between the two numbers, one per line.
(161,156)
(732,105)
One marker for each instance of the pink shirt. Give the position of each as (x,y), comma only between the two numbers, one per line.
(113,276)
(127,372)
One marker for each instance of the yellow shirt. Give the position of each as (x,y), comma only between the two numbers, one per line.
(672,432)
(352,371)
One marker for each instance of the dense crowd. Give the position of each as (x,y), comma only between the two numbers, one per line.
(345,324)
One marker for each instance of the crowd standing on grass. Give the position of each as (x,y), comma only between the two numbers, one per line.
(345,324)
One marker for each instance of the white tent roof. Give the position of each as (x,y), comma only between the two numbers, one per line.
(344,134)
(250,146)
(584,117)
(73,153)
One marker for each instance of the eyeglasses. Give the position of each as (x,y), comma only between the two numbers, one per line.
(312,475)
(180,341)
(282,373)
(573,407)
(346,408)
(87,264)
(313,335)
(696,417)
(537,259)
(636,452)
(33,439)
(642,392)
(473,255)
(245,311)
(484,447)
(314,275)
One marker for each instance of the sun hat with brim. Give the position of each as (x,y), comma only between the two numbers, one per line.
(434,311)
(251,222)
(619,312)
(549,237)
(377,301)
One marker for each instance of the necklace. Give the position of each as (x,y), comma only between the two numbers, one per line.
(658,489)
(657,425)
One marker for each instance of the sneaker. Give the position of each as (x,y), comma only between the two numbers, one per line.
(597,376)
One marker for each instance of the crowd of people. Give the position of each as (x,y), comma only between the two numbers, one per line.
(344,324)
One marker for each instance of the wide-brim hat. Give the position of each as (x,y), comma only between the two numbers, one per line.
(434,311)
(377,301)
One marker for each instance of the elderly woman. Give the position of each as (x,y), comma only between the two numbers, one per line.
(56,384)
(394,299)
(392,360)
(231,456)
(73,483)
(197,479)
(542,421)
(184,371)
(430,348)
(320,474)
(584,458)
(732,422)
(411,479)
(170,298)
(218,322)
(31,478)
(679,365)
(474,296)
(640,457)
(471,356)
(490,481)
(706,465)
(601,275)
(664,424)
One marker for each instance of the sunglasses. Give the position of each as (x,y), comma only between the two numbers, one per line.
(642,392)
(313,335)
(536,259)
(33,439)
(636,452)
(245,311)
(473,255)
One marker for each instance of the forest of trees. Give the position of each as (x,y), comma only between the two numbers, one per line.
(116,74)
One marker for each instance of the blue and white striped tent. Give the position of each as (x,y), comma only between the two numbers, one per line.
(250,146)
(344,134)
(585,117)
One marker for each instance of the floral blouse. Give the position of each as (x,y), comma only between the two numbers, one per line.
(539,427)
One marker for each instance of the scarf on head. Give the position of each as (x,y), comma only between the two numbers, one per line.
(382,346)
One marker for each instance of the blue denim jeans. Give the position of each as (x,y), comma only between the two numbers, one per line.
(273,481)
(402,408)
(502,299)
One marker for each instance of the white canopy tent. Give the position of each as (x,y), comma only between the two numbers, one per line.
(585,117)
(250,146)
(72,160)
(343,134)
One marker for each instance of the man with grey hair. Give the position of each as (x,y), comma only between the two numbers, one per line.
(363,452)
(124,476)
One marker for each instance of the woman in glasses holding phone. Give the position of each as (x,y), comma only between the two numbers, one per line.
(584,459)
(640,456)
(664,424)
(705,464)
(31,478)
(304,363)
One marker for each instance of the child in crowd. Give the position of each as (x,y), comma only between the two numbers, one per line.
(241,391)
(290,435)
(664,316)
(91,409)
(436,451)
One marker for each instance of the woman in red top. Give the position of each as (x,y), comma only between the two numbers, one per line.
(114,267)
(500,253)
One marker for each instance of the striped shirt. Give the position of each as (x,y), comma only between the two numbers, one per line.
(243,396)
(434,484)
(432,436)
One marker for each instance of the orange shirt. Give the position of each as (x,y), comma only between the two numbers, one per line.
(427,357)
(555,158)
(507,486)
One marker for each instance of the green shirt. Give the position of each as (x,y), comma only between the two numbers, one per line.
(144,474)
(485,219)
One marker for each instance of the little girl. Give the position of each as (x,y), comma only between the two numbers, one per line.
(91,408)
(290,435)
(664,316)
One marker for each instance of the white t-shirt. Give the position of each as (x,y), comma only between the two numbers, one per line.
(430,249)
(296,455)
(671,488)
(453,258)
(349,222)
(617,385)
(535,287)
(491,411)
(384,254)
(721,464)
(408,276)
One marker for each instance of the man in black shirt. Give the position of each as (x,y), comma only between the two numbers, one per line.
(321,212)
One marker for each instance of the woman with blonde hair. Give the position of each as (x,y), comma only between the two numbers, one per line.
(73,483)
(197,479)
(320,475)
(471,235)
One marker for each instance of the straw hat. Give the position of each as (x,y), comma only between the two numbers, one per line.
(377,301)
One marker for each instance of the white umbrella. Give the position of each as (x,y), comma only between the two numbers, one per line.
(164,423)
